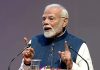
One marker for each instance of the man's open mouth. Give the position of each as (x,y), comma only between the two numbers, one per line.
(47,28)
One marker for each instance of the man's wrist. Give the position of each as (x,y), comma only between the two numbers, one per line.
(69,64)
(27,63)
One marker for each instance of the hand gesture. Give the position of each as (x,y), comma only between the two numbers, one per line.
(66,56)
(28,53)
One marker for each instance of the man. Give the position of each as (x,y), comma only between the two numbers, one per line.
(52,47)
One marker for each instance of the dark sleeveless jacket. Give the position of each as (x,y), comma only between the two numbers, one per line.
(47,49)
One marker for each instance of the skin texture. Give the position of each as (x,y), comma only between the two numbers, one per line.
(53,25)
(52,18)
(66,56)
(28,53)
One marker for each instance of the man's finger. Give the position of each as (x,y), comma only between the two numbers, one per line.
(25,40)
(31,50)
(27,54)
(59,52)
(66,46)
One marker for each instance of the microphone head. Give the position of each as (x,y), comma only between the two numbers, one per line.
(28,45)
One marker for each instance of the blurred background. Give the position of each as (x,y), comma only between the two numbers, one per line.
(20,18)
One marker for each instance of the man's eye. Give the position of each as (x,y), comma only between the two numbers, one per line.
(51,18)
(43,18)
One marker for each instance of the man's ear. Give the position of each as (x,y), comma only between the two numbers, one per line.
(65,22)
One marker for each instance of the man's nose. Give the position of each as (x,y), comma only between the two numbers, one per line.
(46,22)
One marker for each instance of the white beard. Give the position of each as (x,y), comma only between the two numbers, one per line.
(53,32)
(50,33)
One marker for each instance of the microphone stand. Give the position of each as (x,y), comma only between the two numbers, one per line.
(80,56)
(17,56)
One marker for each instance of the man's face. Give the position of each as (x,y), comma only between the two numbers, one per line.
(52,22)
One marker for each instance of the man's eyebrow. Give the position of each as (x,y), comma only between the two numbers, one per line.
(43,16)
(51,16)
(48,16)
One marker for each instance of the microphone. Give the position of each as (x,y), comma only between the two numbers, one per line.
(28,45)
(79,55)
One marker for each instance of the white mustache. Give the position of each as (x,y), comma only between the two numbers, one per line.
(46,26)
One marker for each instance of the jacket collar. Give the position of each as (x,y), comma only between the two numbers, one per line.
(51,40)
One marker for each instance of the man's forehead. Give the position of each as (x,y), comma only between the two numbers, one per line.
(48,15)
(52,11)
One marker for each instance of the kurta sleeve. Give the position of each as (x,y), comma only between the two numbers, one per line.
(80,63)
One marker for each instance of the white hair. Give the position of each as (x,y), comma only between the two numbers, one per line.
(64,12)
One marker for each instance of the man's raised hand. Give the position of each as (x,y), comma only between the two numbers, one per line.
(28,53)
(66,56)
